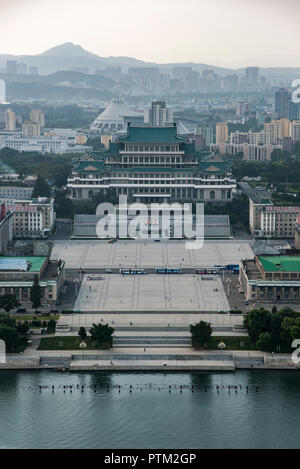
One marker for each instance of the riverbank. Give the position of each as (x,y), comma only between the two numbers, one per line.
(157,359)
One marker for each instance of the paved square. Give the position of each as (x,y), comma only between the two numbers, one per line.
(153,292)
(101,254)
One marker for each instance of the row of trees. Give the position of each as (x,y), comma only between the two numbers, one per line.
(270,329)
(53,167)
(65,207)
(280,169)
(267,330)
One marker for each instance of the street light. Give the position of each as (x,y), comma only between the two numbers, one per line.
(228,286)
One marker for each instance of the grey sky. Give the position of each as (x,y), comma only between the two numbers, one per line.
(231,33)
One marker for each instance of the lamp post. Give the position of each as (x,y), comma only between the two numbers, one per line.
(221,345)
(228,286)
(82,346)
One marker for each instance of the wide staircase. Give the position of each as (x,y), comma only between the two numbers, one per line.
(152,336)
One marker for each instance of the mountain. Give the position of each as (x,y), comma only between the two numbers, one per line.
(68,55)
(69,49)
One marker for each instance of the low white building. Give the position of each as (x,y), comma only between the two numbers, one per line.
(43,144)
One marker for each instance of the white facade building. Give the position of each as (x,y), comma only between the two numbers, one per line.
(33,218)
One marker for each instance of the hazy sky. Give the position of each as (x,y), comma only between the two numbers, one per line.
(230,33)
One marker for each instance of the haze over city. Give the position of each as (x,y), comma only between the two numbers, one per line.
(229,33)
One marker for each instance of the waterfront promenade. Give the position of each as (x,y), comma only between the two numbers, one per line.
(159,359)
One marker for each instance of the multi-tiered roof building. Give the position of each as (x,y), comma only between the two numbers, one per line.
(153,164)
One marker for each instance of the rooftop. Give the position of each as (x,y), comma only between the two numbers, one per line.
(149,134)
(25,264)
(280,263)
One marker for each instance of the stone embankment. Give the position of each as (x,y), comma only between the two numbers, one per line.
(159,360)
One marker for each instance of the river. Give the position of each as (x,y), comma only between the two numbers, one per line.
(149,410)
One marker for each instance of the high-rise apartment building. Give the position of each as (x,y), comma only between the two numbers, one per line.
(31,129)
(11,66)
(207,133)
(251,76)
(10,120)
(33,70)
(37,116)
(221,132)
(231,83)
(241,108)
(282,98)
(158,114)
(277,129)
(294,110)
(295,131)
(22,68)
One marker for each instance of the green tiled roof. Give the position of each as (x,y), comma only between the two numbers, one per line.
(152,135)
(280,263)
(35,263)
(213,167)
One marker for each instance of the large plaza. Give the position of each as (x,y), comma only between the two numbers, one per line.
(152,293)
(149,254)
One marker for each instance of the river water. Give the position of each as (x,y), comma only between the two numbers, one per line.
(149,410)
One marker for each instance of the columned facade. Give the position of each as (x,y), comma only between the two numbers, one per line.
(153,164)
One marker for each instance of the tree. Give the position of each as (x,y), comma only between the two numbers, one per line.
(7,320)
(36,293)
(102,334)
(63,206)
(51,326)
(41,188)
(201,333)
(8,301)
(10,337)
(82,333)
(290,328)
(264,342)
(23,328)
(257,321)
(275,326)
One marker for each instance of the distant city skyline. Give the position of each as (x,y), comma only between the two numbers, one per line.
(226,33)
